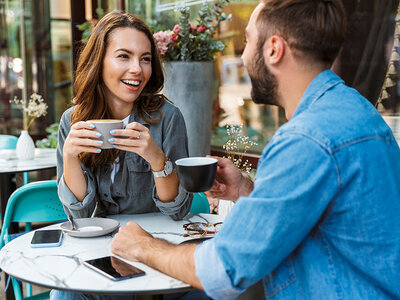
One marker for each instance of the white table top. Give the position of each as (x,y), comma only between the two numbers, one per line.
(62,268)
(44,158)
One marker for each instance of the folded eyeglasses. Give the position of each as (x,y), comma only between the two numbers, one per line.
(201,228)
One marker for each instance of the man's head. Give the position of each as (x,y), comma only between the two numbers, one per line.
(313,30)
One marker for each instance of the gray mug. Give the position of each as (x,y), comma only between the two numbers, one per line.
(104,126)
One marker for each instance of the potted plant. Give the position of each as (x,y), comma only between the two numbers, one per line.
(188,52)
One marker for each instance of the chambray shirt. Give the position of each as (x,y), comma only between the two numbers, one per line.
(323,220)
(133,190)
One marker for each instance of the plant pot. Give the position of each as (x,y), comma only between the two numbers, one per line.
(25,146)
(190,86)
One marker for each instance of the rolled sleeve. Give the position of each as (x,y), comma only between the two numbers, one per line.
(74,207)
(176,209)
(175,146)
(211,273)
(71,205)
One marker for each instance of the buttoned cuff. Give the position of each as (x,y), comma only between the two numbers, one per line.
(211,272)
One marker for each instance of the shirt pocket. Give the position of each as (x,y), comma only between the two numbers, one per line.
(280,278)
(138,164)
(140,176)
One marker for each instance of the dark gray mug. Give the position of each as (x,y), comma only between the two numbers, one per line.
(196,174)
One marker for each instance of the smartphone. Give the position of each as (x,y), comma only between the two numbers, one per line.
(113,268)
(47,238)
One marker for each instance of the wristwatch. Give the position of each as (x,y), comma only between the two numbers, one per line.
(164,173)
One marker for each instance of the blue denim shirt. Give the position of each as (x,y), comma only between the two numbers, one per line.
(323,220)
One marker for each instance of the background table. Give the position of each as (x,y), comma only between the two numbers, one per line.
(62,268)
(11,165)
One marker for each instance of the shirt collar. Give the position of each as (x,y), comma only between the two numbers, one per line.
(318,86)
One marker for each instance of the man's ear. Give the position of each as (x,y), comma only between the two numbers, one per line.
(274,49)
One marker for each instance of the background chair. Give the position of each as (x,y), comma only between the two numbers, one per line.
(200,204)
(10,142)
(33,202)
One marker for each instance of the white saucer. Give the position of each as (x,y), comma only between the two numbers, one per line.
(90,227)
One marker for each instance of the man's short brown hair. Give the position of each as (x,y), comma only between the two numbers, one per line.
(312,28)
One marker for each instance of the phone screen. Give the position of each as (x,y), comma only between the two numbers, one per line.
(47,238)
(114,268)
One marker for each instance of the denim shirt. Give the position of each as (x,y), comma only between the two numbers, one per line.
(323,220)
(133,190)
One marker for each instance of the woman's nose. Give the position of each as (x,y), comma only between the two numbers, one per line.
(135,68)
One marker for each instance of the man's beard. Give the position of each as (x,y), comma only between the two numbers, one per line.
(264,84)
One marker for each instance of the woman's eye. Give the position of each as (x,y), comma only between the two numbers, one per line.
(123,56)
(147,58)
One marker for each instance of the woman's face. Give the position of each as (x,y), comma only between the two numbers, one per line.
(126,66)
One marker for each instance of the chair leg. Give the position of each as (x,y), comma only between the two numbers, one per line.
(26,177)
(17,289)
(28,290)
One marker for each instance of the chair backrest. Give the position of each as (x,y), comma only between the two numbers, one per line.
(200,204)
(8,141)
(33,202)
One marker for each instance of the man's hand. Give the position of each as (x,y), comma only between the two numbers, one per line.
(134,244)
(229,183)
(130,241)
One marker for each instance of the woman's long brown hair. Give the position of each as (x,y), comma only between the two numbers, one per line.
(89,86)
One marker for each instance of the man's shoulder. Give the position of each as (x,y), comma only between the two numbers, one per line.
(337,117)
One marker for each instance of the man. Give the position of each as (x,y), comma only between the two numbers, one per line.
(322,218)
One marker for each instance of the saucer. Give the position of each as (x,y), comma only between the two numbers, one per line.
(90,227)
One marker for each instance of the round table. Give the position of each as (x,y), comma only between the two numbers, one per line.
(61,267)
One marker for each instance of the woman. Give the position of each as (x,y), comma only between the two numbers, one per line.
(118,76)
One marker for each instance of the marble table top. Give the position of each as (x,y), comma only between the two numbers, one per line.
(44,158)
(62,268)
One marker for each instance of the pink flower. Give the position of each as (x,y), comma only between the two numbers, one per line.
(175,37)
(176,29)
(193,28)
(163,40)
(201,29)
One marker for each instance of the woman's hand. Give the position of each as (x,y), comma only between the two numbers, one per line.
(139,140)
(82,138)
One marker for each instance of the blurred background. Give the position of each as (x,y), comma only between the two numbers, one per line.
(40,41)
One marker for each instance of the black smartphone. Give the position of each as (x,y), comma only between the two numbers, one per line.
(113,268)
(47,238)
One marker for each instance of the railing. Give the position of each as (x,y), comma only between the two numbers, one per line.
(176,4)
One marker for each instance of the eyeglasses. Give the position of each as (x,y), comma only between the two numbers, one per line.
(201,228)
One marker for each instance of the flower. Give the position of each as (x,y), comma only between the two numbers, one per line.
(163,40)
(35,108)
(236,146)
(189,42)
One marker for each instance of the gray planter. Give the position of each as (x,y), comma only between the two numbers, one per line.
(190,86)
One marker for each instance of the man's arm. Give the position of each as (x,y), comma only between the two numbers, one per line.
(133,243)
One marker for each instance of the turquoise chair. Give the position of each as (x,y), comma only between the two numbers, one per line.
(33,202)
(10,142)
(200,204)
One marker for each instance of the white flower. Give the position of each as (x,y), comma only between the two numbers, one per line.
(237,145)
(35,108)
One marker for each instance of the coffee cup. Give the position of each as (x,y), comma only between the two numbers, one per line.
(196,174)
(104,126)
